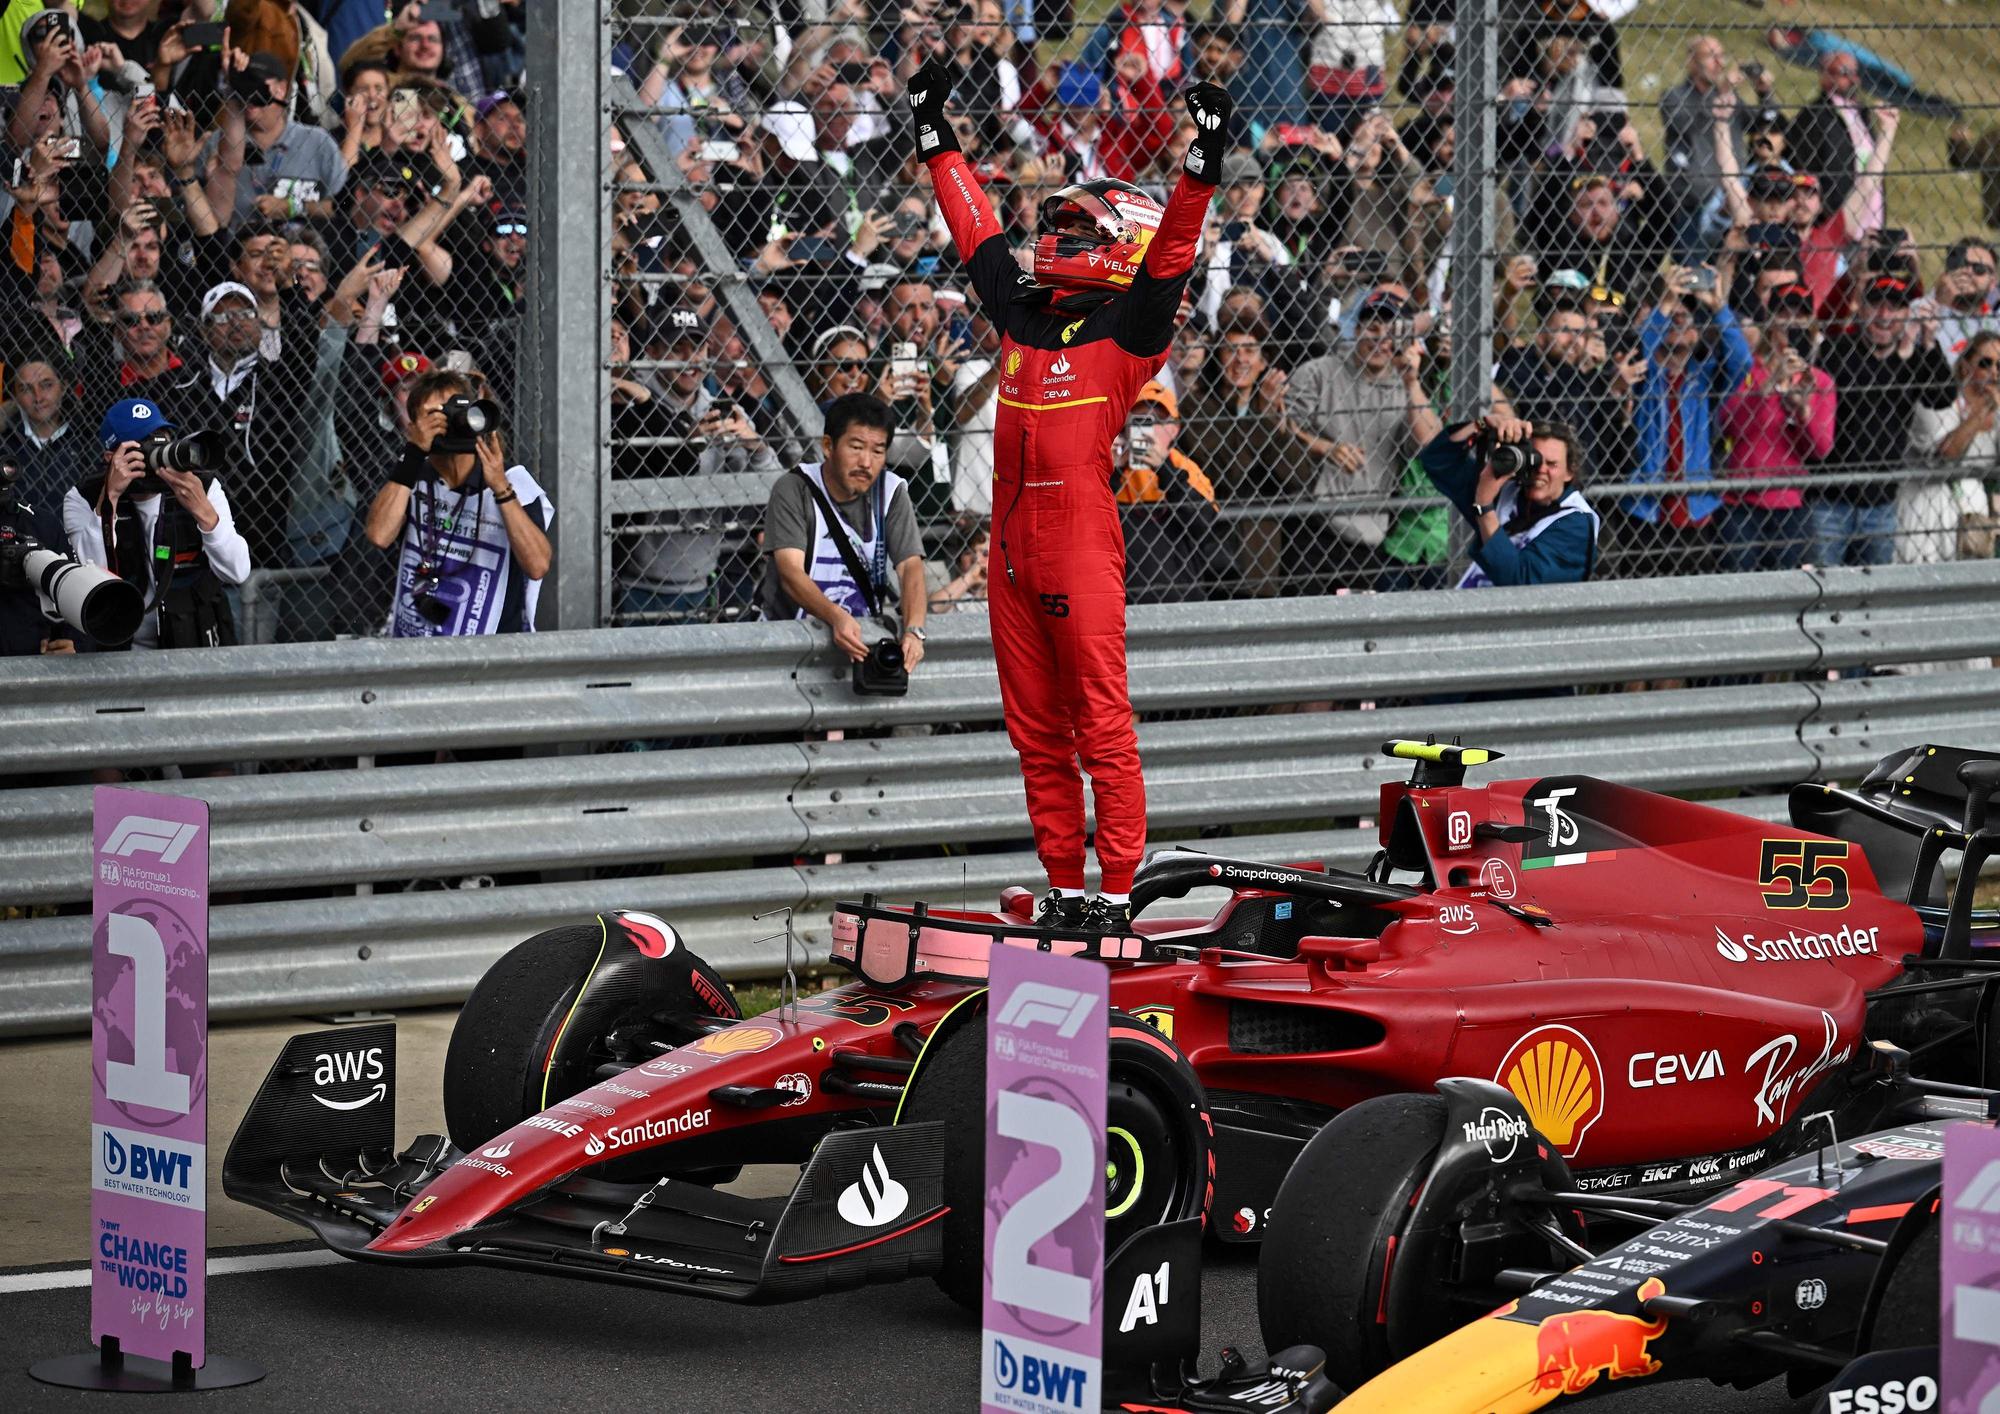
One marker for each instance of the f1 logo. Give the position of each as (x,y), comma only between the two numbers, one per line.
(1982,1195)
(141,834)
(1039,1004)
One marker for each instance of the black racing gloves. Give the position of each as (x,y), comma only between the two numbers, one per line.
(929,91)
(1210,108)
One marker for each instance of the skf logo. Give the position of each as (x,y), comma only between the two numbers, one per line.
(141,834)
(1554,1073)
(1039,1004)
(1061,365)
(1068,333)
(736,1041)
(1013,362)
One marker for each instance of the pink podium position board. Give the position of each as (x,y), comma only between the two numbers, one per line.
(149,1074)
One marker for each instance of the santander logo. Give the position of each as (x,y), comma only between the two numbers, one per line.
(876,1198)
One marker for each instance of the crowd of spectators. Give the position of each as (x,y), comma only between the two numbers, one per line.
(1734,313)
(279,230)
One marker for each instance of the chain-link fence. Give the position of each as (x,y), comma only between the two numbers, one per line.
(267,230)
(1743,262)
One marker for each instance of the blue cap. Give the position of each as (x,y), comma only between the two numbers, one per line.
(133,420)
(1078,87)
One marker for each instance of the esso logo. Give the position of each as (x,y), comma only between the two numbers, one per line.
(1889,1397)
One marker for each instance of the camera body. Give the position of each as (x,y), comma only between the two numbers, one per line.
(1507,459)
(196,452)
(882,673)
(466,420)
(87,598)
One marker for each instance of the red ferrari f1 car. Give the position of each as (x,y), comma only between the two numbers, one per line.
(1665,987)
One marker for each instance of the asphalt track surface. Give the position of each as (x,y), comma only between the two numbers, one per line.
(353,1337)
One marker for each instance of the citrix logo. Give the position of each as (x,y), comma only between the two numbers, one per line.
(141,834)
(1039,1004)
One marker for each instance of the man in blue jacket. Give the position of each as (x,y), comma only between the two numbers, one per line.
(1530,528)
(1696,356)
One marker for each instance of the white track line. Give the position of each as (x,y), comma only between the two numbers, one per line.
(217,1267)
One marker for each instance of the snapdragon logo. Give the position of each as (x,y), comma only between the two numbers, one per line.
(1795,946)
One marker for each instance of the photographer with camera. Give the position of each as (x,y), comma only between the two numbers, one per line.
(156,516)
(24,629)
(473,550)
(835,530)
(1515,482)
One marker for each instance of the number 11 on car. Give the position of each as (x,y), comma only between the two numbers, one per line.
(1047,1060)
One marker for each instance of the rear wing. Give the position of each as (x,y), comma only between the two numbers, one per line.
(1912,809)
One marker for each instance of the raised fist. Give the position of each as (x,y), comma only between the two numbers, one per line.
(1210,108)
(929,91)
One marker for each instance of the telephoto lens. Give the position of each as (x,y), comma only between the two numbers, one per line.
(466,420)
(86,597)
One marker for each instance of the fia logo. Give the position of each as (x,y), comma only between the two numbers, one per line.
(1811,1294)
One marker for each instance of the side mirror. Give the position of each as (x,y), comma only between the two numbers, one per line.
(1980,779)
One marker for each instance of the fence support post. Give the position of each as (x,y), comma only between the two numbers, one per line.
(564,374)
(1476,189)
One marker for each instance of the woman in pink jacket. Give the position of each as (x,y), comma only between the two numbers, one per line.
(1780,421)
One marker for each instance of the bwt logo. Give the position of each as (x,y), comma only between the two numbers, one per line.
(144,1164)
(1039,1004)
(1038,1378)
(142,834)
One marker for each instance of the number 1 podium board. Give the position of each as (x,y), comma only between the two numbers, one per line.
(149,1102)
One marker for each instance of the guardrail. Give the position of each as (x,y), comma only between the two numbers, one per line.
(798,795)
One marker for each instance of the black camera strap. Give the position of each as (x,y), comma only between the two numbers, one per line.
(837,529)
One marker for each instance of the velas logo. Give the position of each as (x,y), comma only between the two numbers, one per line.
(1794,946)
(1013,362)
(141,834)
(1500,1132)
(875,1199)
(1554,1072)
(349,1067)
(651,935)
(736,1041)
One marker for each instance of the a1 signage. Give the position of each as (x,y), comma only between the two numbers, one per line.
(149,1075)
(1042,1342)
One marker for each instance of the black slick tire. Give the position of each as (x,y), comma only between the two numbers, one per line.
(1322,1272)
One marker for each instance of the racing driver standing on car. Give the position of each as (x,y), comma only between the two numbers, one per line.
(1084,329)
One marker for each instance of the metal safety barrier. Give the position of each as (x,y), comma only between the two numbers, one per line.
(1774,717)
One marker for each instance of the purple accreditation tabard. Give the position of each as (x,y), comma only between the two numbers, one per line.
(1969,1329)
(1042,1342)
(149,1074)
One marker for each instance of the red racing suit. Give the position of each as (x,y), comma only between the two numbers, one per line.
(1067,381)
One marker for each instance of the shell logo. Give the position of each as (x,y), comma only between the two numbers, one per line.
(1554,1073)
(1013,362)
(736,1041)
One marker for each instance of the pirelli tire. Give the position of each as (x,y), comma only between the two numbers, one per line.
(1323,1269)
(502,1064)
(1159,1156)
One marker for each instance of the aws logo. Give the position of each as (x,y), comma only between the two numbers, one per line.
(1013,362)
(1554,1073)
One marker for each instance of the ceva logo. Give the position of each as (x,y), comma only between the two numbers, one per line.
(142,834)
